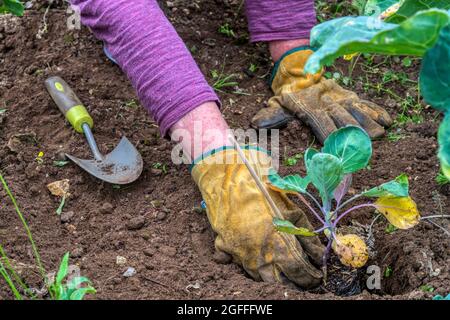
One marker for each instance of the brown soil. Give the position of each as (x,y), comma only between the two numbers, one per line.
(155,223)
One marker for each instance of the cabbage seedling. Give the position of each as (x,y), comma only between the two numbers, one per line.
(402,28)
(330,170)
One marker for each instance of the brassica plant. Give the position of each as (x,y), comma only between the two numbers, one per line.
(11,6)
(330,170)
(407,27)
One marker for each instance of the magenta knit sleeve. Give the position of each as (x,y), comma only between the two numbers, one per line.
(280,19)
(145,45)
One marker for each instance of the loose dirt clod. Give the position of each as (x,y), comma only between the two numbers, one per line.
(161,215)
(106,208)
(66,216)
(136,223)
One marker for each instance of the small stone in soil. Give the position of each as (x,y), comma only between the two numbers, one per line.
(121,261)
(145,234)
(136,223)
(106,208)
(66,216)
(161,215)
(130,272)
(149,252)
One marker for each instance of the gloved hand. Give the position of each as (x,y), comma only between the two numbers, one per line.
(242,218)
(320,103)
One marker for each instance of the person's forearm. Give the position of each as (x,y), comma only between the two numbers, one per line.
(147,48)
(201,130)
(271,20)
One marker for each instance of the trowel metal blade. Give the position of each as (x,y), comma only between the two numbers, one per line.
(123,165)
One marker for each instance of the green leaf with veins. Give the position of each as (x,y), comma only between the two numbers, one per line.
(444,145)
(395,188)
(352,145)
(348,35)
(326,172)
(13,6)
(435,72)
(309,153)
(375,7)
(293,183)
(287,227)
(409,7)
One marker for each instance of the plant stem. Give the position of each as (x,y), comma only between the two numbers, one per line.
(350,210)
(347,202)
(435,216)
(13,272)
(315,201)
(8,280)
(61,205)
(27,229)
(310,208)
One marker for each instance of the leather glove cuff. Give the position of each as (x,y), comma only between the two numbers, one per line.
(288,73)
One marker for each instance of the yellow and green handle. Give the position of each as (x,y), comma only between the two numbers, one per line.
(69,104)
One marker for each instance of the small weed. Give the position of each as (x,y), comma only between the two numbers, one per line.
(390,228)
(388,272)
(60,163)
(72,289)
(226,30)
(426,288)
(222,81)
(40,157)
(441,179)
(61,206)
(160,166)
(253,67)
(131,104)
(292,161)
(394,137)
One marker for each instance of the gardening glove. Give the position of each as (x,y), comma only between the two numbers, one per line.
(320,103)
(242,218)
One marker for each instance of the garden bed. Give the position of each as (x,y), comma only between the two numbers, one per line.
(156,223)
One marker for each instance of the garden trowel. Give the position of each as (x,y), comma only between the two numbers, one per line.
(123,165)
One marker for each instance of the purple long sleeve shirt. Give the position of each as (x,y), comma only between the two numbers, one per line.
(166,78)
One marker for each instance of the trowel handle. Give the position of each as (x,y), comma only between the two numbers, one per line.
(68,102)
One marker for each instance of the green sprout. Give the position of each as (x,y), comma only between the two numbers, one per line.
(226,30)
(73,289)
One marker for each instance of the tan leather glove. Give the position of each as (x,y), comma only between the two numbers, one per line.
(320,103)
(242,219)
